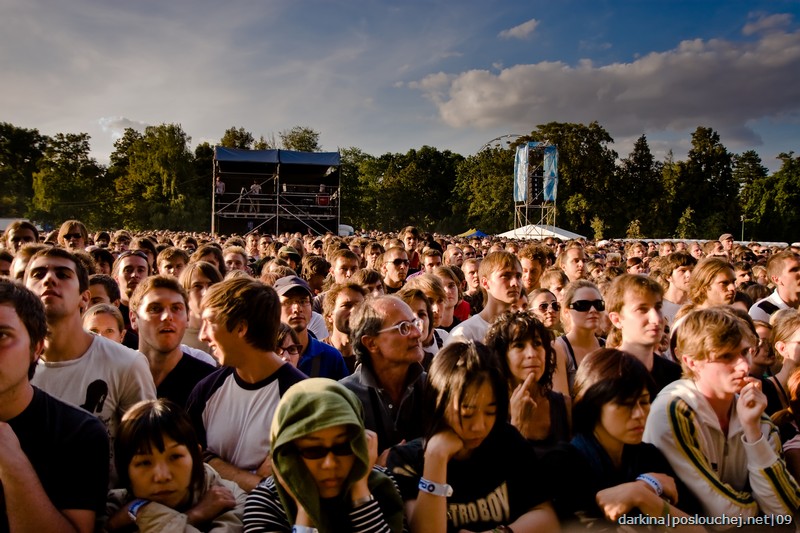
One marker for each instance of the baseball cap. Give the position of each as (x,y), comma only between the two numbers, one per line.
(725,237)
(287,283)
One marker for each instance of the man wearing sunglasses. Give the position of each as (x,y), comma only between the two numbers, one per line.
(390,381)
(394,269)
(73,235)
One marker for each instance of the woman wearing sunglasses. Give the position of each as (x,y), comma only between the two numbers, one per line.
(528,361)
(322,463)
(545,306)
(581,310)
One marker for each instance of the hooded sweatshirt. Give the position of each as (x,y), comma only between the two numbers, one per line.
(308,406)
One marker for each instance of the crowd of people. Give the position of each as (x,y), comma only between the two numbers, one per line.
(168,381)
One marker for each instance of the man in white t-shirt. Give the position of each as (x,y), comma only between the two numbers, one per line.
(783,270)
(103,377)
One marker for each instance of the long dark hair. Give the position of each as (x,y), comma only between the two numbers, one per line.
(457,367)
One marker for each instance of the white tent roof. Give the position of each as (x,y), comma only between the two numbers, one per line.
(534,231)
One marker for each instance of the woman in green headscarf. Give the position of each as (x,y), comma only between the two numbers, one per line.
(324,478)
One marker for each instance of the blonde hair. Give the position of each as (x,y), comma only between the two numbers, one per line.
(707,331)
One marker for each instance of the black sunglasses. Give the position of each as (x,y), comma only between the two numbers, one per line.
(68,236)
(397,262)
(583,306)
(320,452)
(555,306)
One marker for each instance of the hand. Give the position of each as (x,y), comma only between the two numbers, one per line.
(670,490)
(384,457)
(522,405)
(444,445)
(10,449)
(749,408)
(265,468)
(372,447)
(214,502)
(360,487)
(617,501)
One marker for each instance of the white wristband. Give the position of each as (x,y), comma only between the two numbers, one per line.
(436,489)
(304,529)
(653,482)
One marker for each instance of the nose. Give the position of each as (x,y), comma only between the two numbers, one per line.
(478,424)
(655,315)
(203,334)
(161,472)
(639,411)
(329,461)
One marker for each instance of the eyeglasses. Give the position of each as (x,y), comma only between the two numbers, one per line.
(555,306)
(582,306)
(292,349)
(397,262)
(302,302)
(320,452)
(70,236)
(404,327)
(137,253)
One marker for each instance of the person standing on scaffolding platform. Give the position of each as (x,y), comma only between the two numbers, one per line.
(255,191)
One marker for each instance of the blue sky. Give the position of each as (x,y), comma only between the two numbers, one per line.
(387,76)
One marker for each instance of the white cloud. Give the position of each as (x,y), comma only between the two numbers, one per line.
(116,126)
(522,31)
(715,83)
(766,22)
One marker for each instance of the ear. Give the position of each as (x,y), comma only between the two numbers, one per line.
(370,343)
(484,282)
(86,298)
(615,319)
(134,321)
(241,329)
(37,350)
(691,363)
(780,347)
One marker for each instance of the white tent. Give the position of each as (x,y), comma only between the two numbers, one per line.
(534,231)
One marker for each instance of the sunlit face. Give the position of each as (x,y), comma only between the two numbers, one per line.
(131,270)
(197,289)
(225,345)
(289,351)
(430,262)
(160,320)
(346,300)
(16,352)
(392,347)
(455,257)
(17,238)
(531,272)
(329,472)
(343,269)
(473,419)
(172,267)
(680,278)
(296,309)
(162,476)
(234,261)
(640,318)
(73,239)
(504,284)
(763,356)
(743,276)
(546,309)
(789,280)
(584,320)
(451,290)
(623,423)
(722,289)
(471,275)
(55,281)
(525,357)
(419,309)
(410,242)
(395,267)
(574,264)
(105,325)
(723,374)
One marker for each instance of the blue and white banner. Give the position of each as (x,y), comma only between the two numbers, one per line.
(521,174)
(550,186)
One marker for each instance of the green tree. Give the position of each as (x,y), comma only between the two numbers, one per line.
(352,189)
(68,183)
(484,190)
(300,138)
(686,229)
(773,202)
(160,175)
(20,152)
(706,184)
(638,191)
(237,138)
(747,171)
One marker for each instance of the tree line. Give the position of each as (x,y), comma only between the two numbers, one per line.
(154,180)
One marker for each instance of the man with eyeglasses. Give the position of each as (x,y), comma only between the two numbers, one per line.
(390,381)
(317,359)
(394,269)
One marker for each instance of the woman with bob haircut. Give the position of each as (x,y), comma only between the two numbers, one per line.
(471,457)
(324,478)
(618,473)
(528,361)
(167,486)
(196,278)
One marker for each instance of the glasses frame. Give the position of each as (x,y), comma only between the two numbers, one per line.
(417,323)
(554,305)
